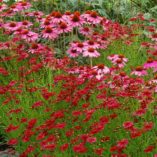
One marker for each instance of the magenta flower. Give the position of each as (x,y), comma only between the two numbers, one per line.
(76,20)
(86,31)
(101,70)
(64,28)
(73,52)
(11,26)
(92,17)
(50,33)
(77,46)
(139,71)
(90,52)
(27,35)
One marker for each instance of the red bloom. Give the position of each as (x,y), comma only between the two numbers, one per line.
(31,123)
(80,148)
(11,127)
(64,147)
(149,149)
(12,141)
(99,151)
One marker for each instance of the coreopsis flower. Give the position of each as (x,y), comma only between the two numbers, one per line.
(90,52)
(128,125)
(80,148)
(50,33)
(139,71)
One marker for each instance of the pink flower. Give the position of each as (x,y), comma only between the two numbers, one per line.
(101,70)
(91,43)
(28,35)
(73,52)
(139,71)
(25,24)
(78,46)
(11,26)
(57,17)
(86,31)
(64,28)
(50,33)
(76,20)
(90,52)
(92,17)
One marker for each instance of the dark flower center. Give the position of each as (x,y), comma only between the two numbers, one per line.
(12,24)
(91,50)
(63,25)
(94,14)
(48,30)
(34,46)
(75,18)
(139,68)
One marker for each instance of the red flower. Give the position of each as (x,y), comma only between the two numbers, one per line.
(64,147)
(12,141)
(80,148)
(11,127)
(99,151)
(31,123)
(149,149)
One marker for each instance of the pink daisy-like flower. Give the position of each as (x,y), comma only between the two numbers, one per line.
(37,14)
(101,70)
(154,37)
(11,26)
(92,17)
(76,20)
(63,28)
(86,31)
(28,35)
(23,5)
(46,22)
(67,16)
(25,24)
(35,48)
(139,71)
(118,60)
(3,7)
(49,33)
(90,52)
(91,43)
(77,46)
(150,64)
(57,17)
(73,52)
